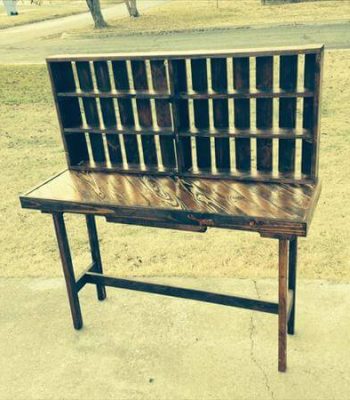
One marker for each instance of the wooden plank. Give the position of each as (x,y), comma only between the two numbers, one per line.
(308,114)
(264,112)
(287,112)
(211,203)
(144,112)
(108,111)
(268,133)
(191,294)
(90,109)
(163,112)
(68,112)
(95,253)
(317,113)
(242,112)
(201,111)
(252,93)
(282,305)
(220,111)
(252,52)
(67,265)
(80,280)
(121,80)
(157,224)
(292,282)
(178,83)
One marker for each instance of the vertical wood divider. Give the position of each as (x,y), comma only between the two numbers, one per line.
(175,118)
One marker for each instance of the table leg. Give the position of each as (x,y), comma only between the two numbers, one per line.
(68,271)
(95,253)
(282,305)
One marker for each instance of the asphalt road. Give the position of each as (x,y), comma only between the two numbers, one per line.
(29,50)
(29,32)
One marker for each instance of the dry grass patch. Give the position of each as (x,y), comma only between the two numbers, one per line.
(31,150)
(48,10)
(181,15)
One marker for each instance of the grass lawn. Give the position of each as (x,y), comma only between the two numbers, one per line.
(49,9)
(203,14)
(31,151)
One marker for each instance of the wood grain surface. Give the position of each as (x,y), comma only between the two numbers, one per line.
(261,207)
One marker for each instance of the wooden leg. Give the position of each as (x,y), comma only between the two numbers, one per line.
(68,271)
(282,305)
(95,253)
(293,254)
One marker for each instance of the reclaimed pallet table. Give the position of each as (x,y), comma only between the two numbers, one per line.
(189,141)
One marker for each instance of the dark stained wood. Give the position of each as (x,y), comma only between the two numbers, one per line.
(170,95)
(68,271)
(178,83)
(220,111)
(80,281)
(292,278)
(173,55)
(264,112)
(287,112)
(108,111)
(167,190)
(261,207)
(251,93)
(95,253)
(90,109)
(282,305)
(290,302)
(201,111)
(157,223)
(241,81)
(274,133)
(163,112)
(139,75)
(198,295)
(121,80)
(62,79)
(316,112)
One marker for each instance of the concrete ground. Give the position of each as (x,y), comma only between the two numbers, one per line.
(142,346)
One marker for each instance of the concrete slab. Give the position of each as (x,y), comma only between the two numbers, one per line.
(142,346)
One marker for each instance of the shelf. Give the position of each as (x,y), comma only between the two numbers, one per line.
(126,94)
(123,168)
(244,94)
(277,133)
(210,94)
(116,130)
(230,174)
(250,175)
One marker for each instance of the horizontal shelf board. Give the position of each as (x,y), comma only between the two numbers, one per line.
(278,133)
(248,52)
(210,94)
(250,133)
(243,94)
(124,131)
(126,94)
(251,175)
(123,168)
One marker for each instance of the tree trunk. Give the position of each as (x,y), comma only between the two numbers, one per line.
(132,8)
(95,9)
